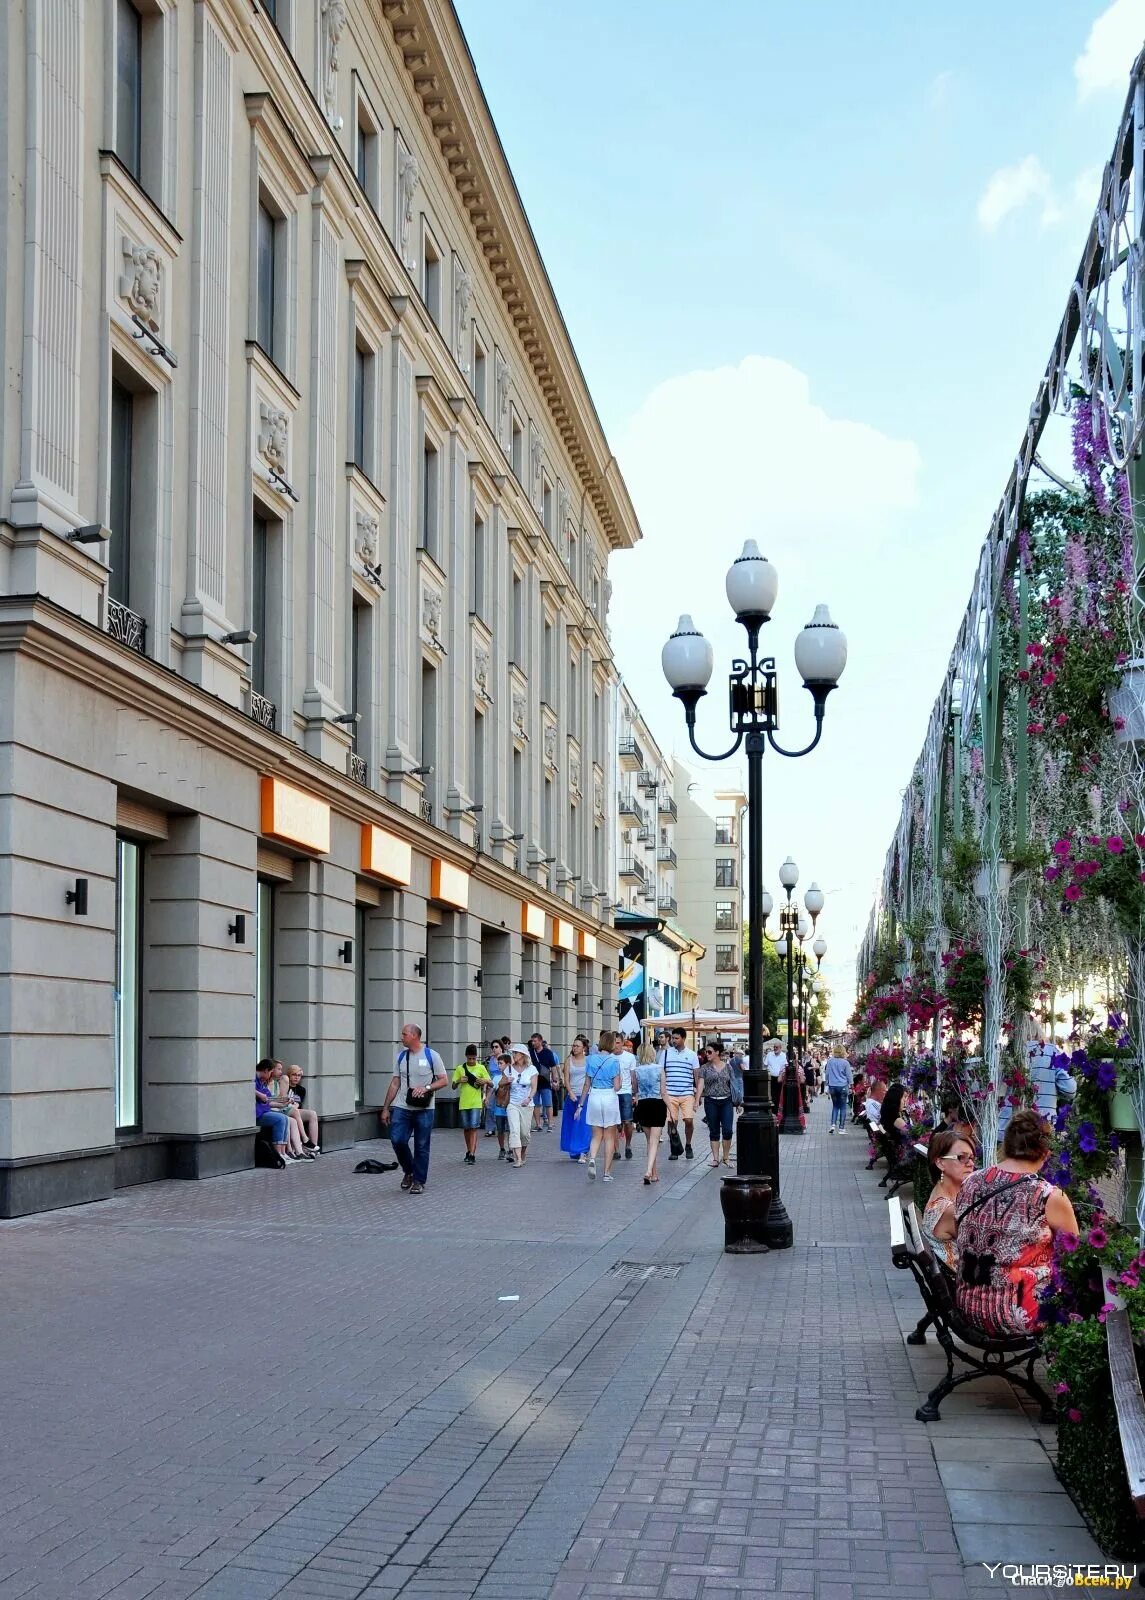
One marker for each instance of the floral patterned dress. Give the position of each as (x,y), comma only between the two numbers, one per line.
(1005,1247)
(941,1249)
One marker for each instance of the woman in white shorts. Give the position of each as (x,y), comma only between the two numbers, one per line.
(600,1103)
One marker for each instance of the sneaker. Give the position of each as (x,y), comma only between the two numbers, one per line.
(591,1170)
(688,1151)
(500,1155)
(607,1178)
(417,1188)
(628,1152)
(581,1160)
(470,1160)
(832,1129)
(675,1156)
(407,1181)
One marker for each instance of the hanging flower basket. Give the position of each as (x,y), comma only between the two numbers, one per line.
(1127,703)
(982,880)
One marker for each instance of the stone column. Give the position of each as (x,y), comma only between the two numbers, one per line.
(500,974)
(199,1013)
(535,976)
(589,1017)
(454,999)
(314,990)
(395,994)
(562,1011)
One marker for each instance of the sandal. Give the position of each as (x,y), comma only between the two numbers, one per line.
(648,1180)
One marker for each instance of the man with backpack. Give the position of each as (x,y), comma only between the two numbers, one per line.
(408,1110)
(546,1063)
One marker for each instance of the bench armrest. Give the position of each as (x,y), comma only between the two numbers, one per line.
(1129,1402)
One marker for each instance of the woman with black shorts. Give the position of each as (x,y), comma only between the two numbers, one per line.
(650,1112)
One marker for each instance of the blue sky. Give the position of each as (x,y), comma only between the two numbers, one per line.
(813,264)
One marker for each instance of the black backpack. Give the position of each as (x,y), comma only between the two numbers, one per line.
(265,1155)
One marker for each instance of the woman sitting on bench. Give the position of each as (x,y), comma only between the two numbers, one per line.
(951,1161)
(1007,1217)
(893,1121)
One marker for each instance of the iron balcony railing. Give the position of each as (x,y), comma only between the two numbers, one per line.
(127,626)
(263,711)
(667,905)
(666,806)
(631,868)
(357,768)
(425,809)
(666,856)
(631,755)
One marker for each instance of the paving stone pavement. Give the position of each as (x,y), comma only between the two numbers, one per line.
(306,1384)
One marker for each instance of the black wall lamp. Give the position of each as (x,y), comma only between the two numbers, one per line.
(520,985)
(90,533)
(77,897)
(549,992)
(477,977)
(576,999)
(419,967)
(237,928)
(600,1005)
(239,636)
(346,951)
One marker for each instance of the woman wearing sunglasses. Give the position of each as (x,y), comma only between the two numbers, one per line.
(952,1161)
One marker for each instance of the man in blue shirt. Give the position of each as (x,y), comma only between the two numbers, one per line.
(546,1064)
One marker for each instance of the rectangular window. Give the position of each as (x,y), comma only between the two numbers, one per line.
(477,776)
(572,718)
(428,751)
(361,673)
(260,538)
(548,690)
(479,372)
(727,958)
(547,818)
(366,155)
(573,553)
(429,491)
(518,622)
(597,724)
(573,841)
(478,565)
(518,795)
(119,498)
(725,1000)
(264,969)
(516,446)
(128,985)
(725,872)
(725,916)
(363,418)
(597,855)
(431,278)
(547,506)
(360,1042)
(725,830)
(266,280)
(129,87)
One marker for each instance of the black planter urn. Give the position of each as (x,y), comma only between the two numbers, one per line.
(745,1202)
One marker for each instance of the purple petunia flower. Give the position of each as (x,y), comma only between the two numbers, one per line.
(1087,1138)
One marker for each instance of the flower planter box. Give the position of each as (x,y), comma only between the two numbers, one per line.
(1090,1462)
(982,880)
(1122,1116)
(1127,704)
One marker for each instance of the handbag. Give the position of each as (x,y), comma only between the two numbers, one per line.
(502,1091)
(675,1143)
(417,1099)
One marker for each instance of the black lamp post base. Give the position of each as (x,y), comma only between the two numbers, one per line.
(757,1152)
(746,1203)
(792,1106)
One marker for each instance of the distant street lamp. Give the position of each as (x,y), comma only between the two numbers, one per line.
(820,657)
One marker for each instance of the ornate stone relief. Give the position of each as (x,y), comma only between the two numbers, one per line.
(519,711)
(501,396)
(562,516)
(574,769)
(367,538)
(408,174)
(598,795)
(534,462)
(141,281)
(431,615)
(550,738)
(333,26)
(273,437)
(481,668)
(462,295)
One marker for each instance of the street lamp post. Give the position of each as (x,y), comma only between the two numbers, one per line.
(820,656)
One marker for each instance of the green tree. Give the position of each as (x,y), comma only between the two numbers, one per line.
(774,984)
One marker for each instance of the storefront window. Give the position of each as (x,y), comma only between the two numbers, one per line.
(360,1006)
(128,990)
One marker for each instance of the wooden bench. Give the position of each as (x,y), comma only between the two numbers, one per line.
(986,1355)
(1130,1404)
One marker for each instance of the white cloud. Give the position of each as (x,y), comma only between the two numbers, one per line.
(1013,188)
(1114,42)
(939,91)
(714,457)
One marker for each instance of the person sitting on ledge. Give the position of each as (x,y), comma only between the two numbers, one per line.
(1007,1216)
(307,1116)
(266,1113)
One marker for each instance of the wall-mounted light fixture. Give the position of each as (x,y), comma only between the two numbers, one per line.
(77,897)
(239,636)
(520,985)
(90,533)
(348,719)
(477,977)
(600,1005)
(576,999)
(346,951)
(419,967)
(549,992)
(237,928)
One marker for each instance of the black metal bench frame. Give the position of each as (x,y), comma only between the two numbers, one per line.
(985,1355)
(900,1170)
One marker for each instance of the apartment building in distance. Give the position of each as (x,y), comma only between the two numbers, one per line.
(305,520)
(709,844)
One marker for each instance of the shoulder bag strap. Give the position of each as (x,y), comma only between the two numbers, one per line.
(991,1194)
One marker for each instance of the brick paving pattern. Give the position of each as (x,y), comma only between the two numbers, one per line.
(304,1384)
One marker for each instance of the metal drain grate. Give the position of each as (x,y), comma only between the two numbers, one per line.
(644,1270)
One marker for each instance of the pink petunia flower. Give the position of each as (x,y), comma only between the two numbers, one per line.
(1115,844)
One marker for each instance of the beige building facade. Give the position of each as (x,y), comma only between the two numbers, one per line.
(645,815)
(306,693)
(709,846)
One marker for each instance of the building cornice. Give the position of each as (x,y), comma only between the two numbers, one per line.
(444,79)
